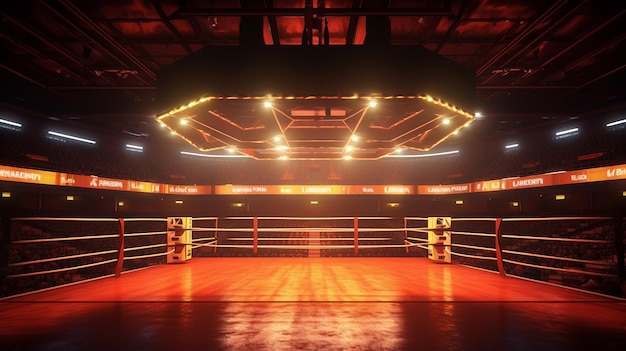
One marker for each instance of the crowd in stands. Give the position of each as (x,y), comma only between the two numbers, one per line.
(61,270)
(592,251)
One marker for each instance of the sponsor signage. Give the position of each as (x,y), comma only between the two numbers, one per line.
(443,189)
(528,182)
(24,175)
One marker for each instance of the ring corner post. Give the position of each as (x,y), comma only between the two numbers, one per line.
(255,239)
(356,236)
(501,269)
(120,249)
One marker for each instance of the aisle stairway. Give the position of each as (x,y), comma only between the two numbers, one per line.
(312,242)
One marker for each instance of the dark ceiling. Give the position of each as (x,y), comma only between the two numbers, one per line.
(95,63)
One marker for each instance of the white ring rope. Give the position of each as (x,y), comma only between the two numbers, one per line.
(145,219)
(148,255)
(308,218)
(65,219)
(67,238)
(145,247)
(18,264)
(475,219)
(144,233)
(530,237)
(305,247)
(554,219)
(61,269)
(204,218)
(416,218)
(600,263)
(566,270)
(203,239)
(196,245)
(418,239)
(309,239)
(474,234)
(474,247)
(474,256)
(294,230)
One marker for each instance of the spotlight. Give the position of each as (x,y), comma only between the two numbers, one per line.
(183,121)
(267,104)
(277,138)
(355,138)
(446,121)
(373,103)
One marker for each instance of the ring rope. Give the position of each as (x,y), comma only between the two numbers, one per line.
(144,247)
(530,237)
(293,230)
(474,234)
(149,255)
(203,239)
(309,239)
(67,238)
(25,263)
(554,219)
(78,219)
(196,245)
(601,263)
(308,218)
(566,270)
(419,239)
(474,247)
(145,219)
(144,233)
(475,256)
(61,269)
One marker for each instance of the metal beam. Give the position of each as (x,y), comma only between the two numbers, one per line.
(103,35)
(592,53)
(582,38)
(354,21)
(269,4)
(531,27)
(561,20)
(27,78)
(523,87)
(170,26)
(337,11)
(602,76)
(454,25)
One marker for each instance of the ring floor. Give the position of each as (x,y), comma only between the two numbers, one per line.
(312,304)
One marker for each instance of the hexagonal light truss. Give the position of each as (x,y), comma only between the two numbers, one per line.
(316,127)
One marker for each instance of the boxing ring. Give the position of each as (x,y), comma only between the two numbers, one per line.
(45,252)
(339,283)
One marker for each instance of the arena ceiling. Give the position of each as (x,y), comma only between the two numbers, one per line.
(95,63)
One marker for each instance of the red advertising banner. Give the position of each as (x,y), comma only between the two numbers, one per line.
(315,189)
(381,189)
(443,189)
(187,189)
(607,173)
(527,182)
(23,175)
(488,185)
